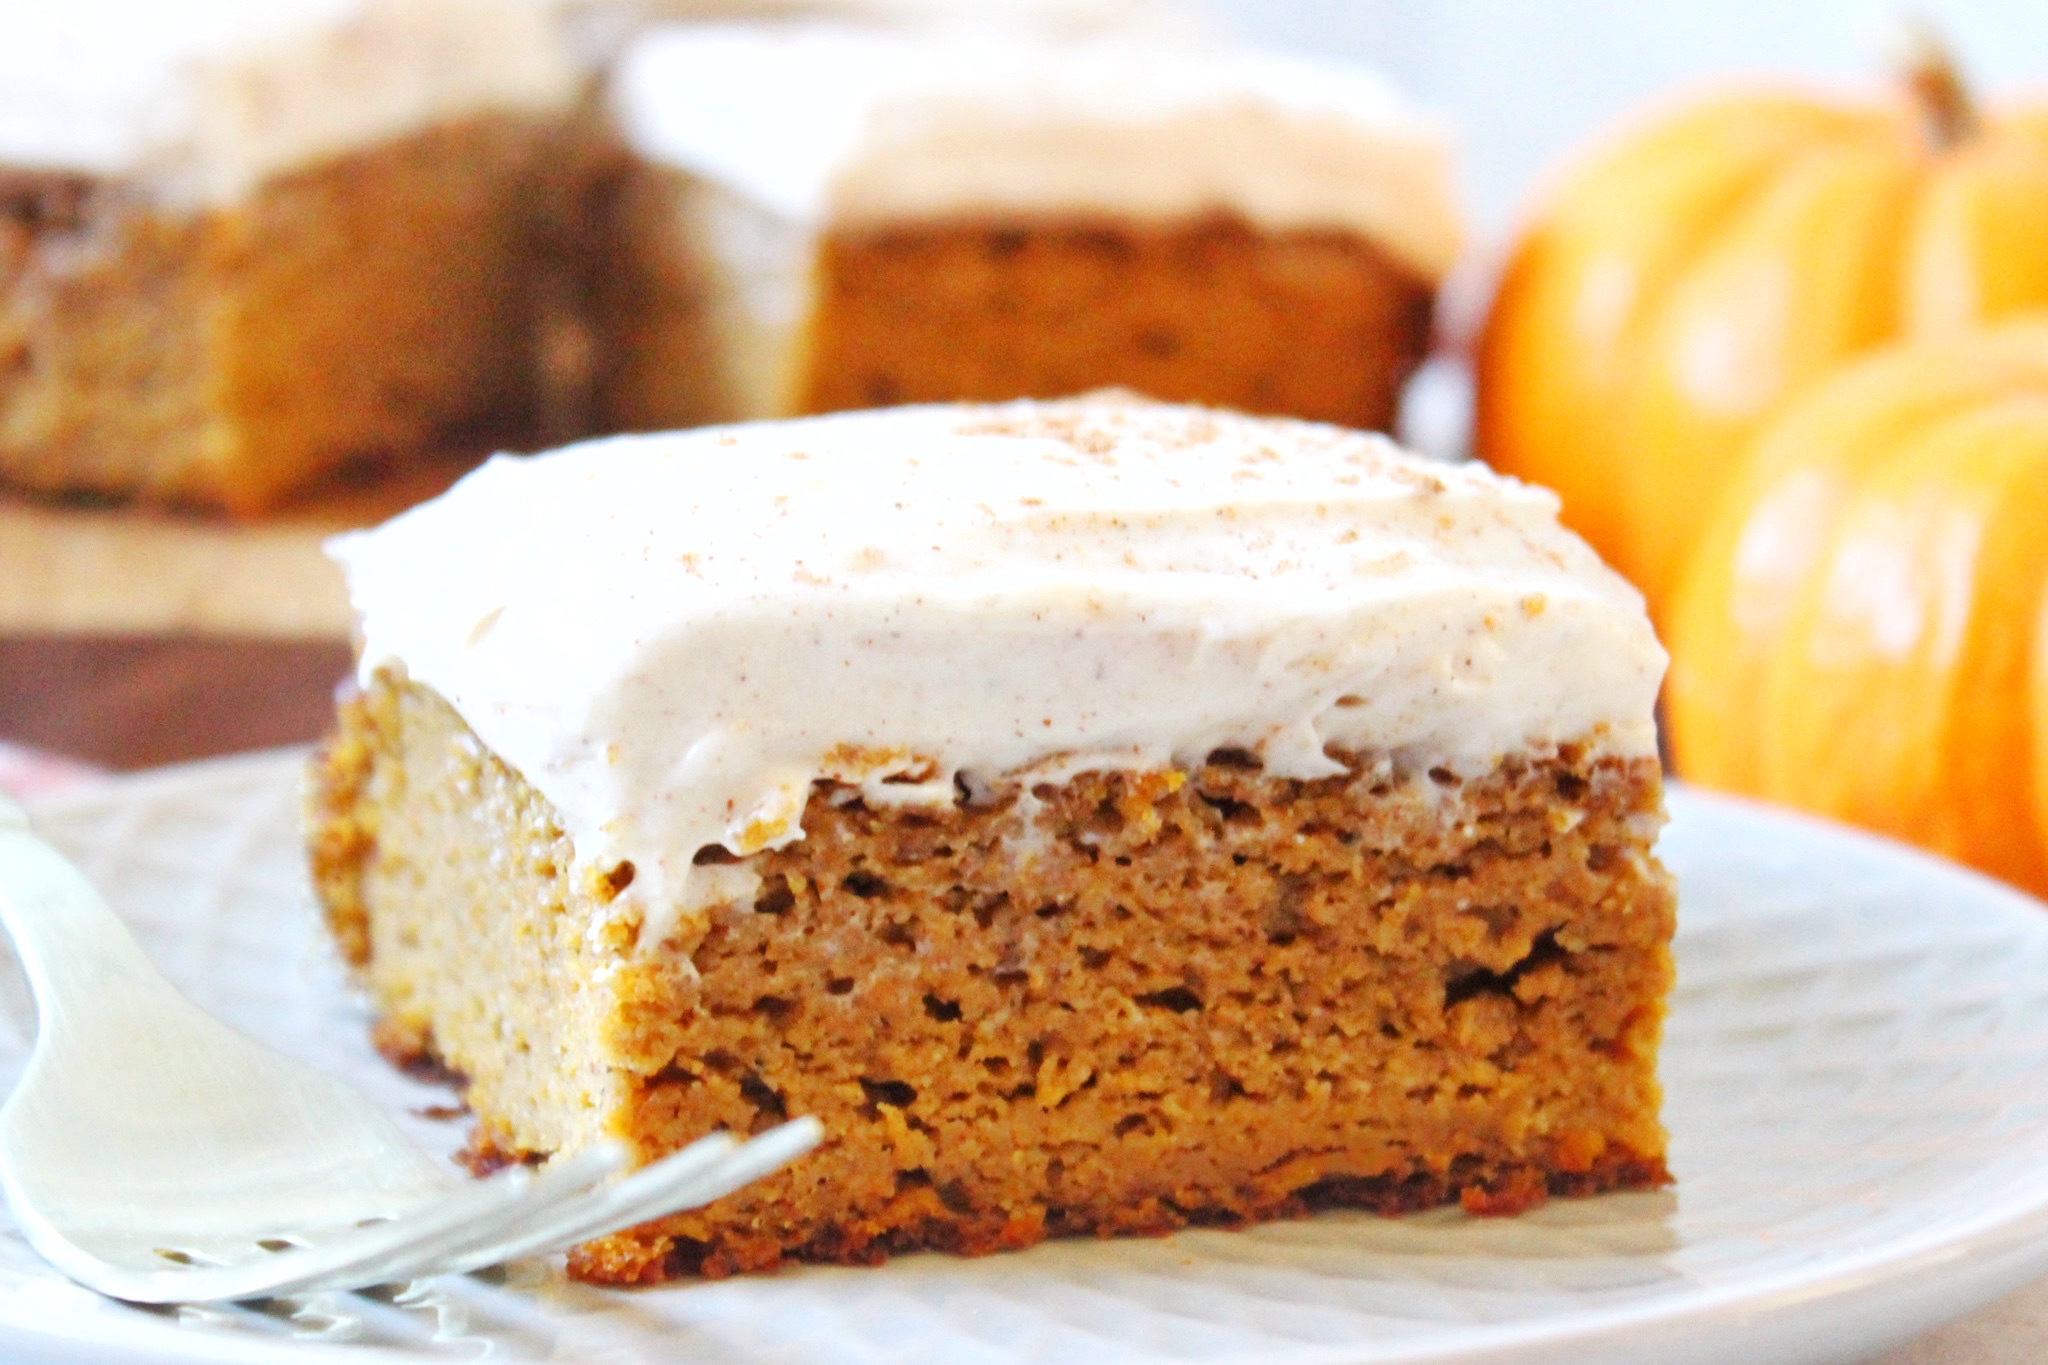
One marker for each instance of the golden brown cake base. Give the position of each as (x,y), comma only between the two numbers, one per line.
(1124,1004)
(1313,324)
(356,312)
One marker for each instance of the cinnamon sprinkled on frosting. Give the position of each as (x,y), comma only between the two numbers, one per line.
(672,636)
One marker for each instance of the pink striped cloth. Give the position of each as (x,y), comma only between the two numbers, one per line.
(29,773)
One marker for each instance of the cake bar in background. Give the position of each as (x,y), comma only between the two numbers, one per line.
(244,243)
(824,217)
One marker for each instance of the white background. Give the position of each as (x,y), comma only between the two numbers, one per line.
(1522,81)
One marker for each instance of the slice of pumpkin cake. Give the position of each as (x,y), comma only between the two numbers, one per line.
(1103,816)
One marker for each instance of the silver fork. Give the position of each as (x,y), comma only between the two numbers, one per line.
(154,1154)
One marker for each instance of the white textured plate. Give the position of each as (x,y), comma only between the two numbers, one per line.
(1857,1078)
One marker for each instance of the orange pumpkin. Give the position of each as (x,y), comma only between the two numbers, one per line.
(1683,282)
(1861,629)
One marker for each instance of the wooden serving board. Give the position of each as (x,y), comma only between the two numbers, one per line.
(128,570)
(131,636)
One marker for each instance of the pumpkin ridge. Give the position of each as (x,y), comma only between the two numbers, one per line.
(1914,734)
(1704,697)
(1974,250)
(1744,195)
(1502,440)
(1818,241)
(1886,660)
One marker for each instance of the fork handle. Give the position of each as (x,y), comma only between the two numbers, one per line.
(71,945)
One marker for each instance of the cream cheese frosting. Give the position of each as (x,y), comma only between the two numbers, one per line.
(204,99)
(840,125)
(671,637)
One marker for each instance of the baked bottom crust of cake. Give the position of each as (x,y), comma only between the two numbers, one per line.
(1313,324)
(1121,1004)
(356,312)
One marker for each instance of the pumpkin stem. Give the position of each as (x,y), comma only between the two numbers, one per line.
(1947,113)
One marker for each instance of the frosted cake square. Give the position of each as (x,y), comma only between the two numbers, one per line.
(244,243)
(1102,816)
(825,217)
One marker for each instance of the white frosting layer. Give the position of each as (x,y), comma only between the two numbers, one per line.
(207,98)
(843,125)
(672,636)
